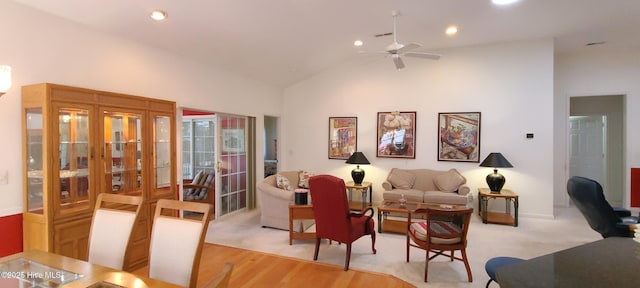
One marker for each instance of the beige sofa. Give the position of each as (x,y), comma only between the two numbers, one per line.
(274,201)
(426,186)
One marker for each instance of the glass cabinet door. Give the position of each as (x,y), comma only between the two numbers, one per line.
(71,192)
(34,161)
(122,153)
(163,156)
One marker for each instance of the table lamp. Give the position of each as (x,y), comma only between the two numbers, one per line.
(357,174)
(495,180)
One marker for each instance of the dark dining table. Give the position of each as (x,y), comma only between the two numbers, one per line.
(36,268)
(610,262)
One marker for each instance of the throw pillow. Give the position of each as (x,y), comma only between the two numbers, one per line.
(449,181)
(401,179)
(282,182)
(303,179)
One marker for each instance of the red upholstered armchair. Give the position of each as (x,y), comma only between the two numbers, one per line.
(333,219)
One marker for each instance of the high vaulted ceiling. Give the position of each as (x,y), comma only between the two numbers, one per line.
(284,41)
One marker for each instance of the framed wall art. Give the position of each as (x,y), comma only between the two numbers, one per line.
(396,135)
(343,139)
(233,140)
(459,137)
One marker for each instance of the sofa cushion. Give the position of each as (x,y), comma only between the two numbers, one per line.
(401,179)
(283,183)
(424,179)
(449,181)
(439,197)
(303,181)
(411,195)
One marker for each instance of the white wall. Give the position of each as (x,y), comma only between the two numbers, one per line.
(511,84)
(45,48)
(597,72)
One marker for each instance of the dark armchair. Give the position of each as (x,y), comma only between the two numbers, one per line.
(587,195)
(333,219)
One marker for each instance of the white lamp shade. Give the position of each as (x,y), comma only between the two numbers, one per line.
(5,78)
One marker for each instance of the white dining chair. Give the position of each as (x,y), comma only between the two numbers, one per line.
(176,243)
(113,220)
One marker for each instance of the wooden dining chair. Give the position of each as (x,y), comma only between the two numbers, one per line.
(222,279)
(113,220)
(176,243)
(443,230)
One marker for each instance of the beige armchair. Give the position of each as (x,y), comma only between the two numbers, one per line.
(274,202)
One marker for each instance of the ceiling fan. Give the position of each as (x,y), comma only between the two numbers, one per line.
(397,50)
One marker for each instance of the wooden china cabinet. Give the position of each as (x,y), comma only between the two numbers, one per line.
(79,143)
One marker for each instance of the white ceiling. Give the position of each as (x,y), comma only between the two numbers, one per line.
(284,41)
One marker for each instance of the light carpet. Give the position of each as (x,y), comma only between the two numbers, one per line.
(533,237)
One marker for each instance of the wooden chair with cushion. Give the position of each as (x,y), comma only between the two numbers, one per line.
(443,230)
(176,243)
(113,220)
(334,220)
(201,188)
(222,279)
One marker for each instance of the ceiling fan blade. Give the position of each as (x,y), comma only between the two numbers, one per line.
(372,52)
(408,47)
(398,62)
(423,55)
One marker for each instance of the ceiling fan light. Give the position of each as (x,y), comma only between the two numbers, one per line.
(358,43)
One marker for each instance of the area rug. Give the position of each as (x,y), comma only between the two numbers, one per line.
(533,237)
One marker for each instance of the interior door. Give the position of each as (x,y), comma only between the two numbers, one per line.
(587,147)
(231,176)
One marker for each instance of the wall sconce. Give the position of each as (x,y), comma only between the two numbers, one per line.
(5,79)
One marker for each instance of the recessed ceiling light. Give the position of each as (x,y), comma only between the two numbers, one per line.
(451,30)
(503,2)
(158,15)
(358,43)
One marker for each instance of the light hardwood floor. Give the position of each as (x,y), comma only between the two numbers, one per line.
(256,269)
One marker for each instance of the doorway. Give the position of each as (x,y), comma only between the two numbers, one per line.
(270,145)
(222,145)
(587,147)
(596,137)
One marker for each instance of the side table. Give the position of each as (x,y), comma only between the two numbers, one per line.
(300,212)
(364,188)
(484,194)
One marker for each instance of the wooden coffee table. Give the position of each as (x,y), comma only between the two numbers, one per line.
(386,224)
(393,206)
